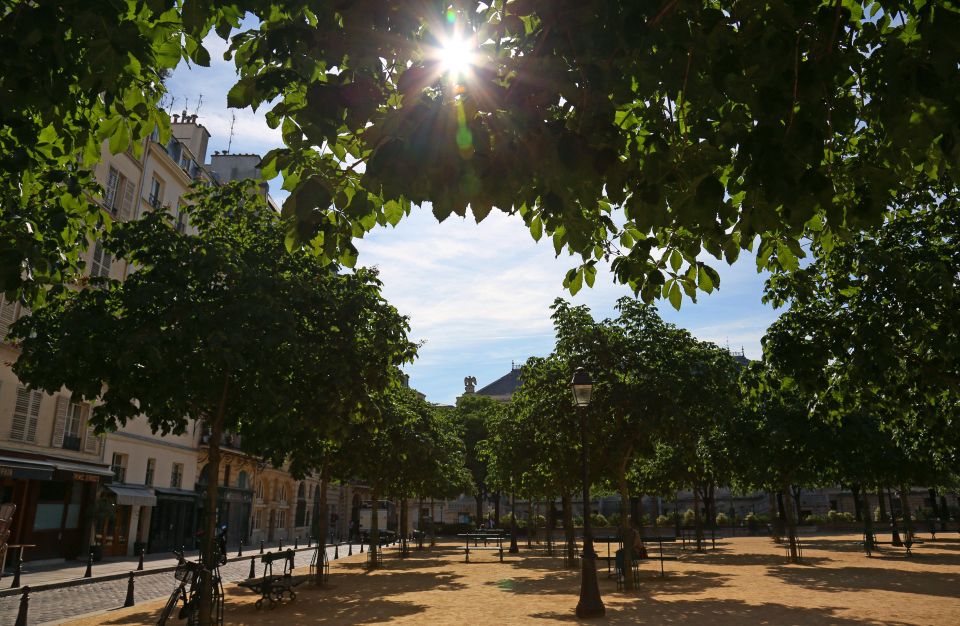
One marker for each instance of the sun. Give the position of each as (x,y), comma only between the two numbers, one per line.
(456,56)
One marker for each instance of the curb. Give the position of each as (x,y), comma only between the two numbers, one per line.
(63,584)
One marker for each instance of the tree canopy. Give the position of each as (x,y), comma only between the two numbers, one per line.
(641,133)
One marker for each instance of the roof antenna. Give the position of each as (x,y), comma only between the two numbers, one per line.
(233,120)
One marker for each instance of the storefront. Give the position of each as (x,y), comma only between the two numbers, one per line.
(173,524)
(54,501)
(124,513)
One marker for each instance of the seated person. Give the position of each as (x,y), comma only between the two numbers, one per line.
(639,550)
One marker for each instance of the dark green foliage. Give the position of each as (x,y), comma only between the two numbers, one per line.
(716,126)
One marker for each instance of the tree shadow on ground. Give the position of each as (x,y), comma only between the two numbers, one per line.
(567,582)
(863,578)
(734,559)
(713,612)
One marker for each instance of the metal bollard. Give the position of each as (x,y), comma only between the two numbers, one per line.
(336,551)
(309,541)
(24,607)
(361,547)
(16,572)
(140,564)
(240,551)
(89,572)
(296,543)
(253,571)
(350,549)
(129,600)
(261,546)
(280,544)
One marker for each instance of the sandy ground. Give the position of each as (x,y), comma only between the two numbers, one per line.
(743,581)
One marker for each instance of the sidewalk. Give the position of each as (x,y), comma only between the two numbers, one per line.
(57,572)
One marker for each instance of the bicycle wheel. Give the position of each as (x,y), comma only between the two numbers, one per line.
(170,606)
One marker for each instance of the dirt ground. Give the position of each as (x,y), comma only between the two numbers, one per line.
(744,581)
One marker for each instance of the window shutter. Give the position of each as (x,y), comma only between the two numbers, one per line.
(19,429)
(34,417)
(101,261)
(111,191)
(8,315)
(91,443)
(127,208)
(60,420)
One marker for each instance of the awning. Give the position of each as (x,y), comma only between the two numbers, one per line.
(133,495)
(169,493)
(25,469)
(82,471)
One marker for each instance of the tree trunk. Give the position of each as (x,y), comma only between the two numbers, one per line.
(791,524)
(432,527)
(905,513)
(496,510)
(420,523)
(210,523)
(796,499)
(867,521)
(626,532)
(779,515)
(374,529)
(882,505)
(568,530)
(479,499)
(697,520)
(531,522)
(323,527)
(404,531)
(711,505)
(857,507)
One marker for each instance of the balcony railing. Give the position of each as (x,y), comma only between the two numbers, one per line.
(154,201)
(119,474)
(71,443)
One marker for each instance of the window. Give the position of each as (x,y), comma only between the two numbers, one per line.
(151,470)
(176,475)
(282,493)
(226,476)
(281,519)
(258,519)
(260,490)
(73,422)
(26,414)
(181,220)
(242,480)
(100,265)
(119,467)
(156,192)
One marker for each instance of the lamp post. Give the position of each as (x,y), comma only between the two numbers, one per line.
(590,604)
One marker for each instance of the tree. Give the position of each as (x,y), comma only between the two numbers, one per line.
(474,414)
(788,443)
(871,330)
(679,114)
(224,327)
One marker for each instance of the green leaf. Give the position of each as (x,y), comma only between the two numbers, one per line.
(536,228)
(675,297)
(676,260)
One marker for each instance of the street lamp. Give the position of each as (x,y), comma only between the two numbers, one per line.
(590,604)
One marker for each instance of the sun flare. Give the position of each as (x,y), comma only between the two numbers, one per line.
(456,56)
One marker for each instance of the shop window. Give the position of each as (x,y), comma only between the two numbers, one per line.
(51,501)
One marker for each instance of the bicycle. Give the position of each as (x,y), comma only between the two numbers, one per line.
(189,574)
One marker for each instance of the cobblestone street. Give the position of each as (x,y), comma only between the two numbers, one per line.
(53,606)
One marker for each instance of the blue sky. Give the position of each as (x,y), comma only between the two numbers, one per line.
(478,296)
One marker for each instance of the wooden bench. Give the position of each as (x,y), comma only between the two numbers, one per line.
(272,587)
